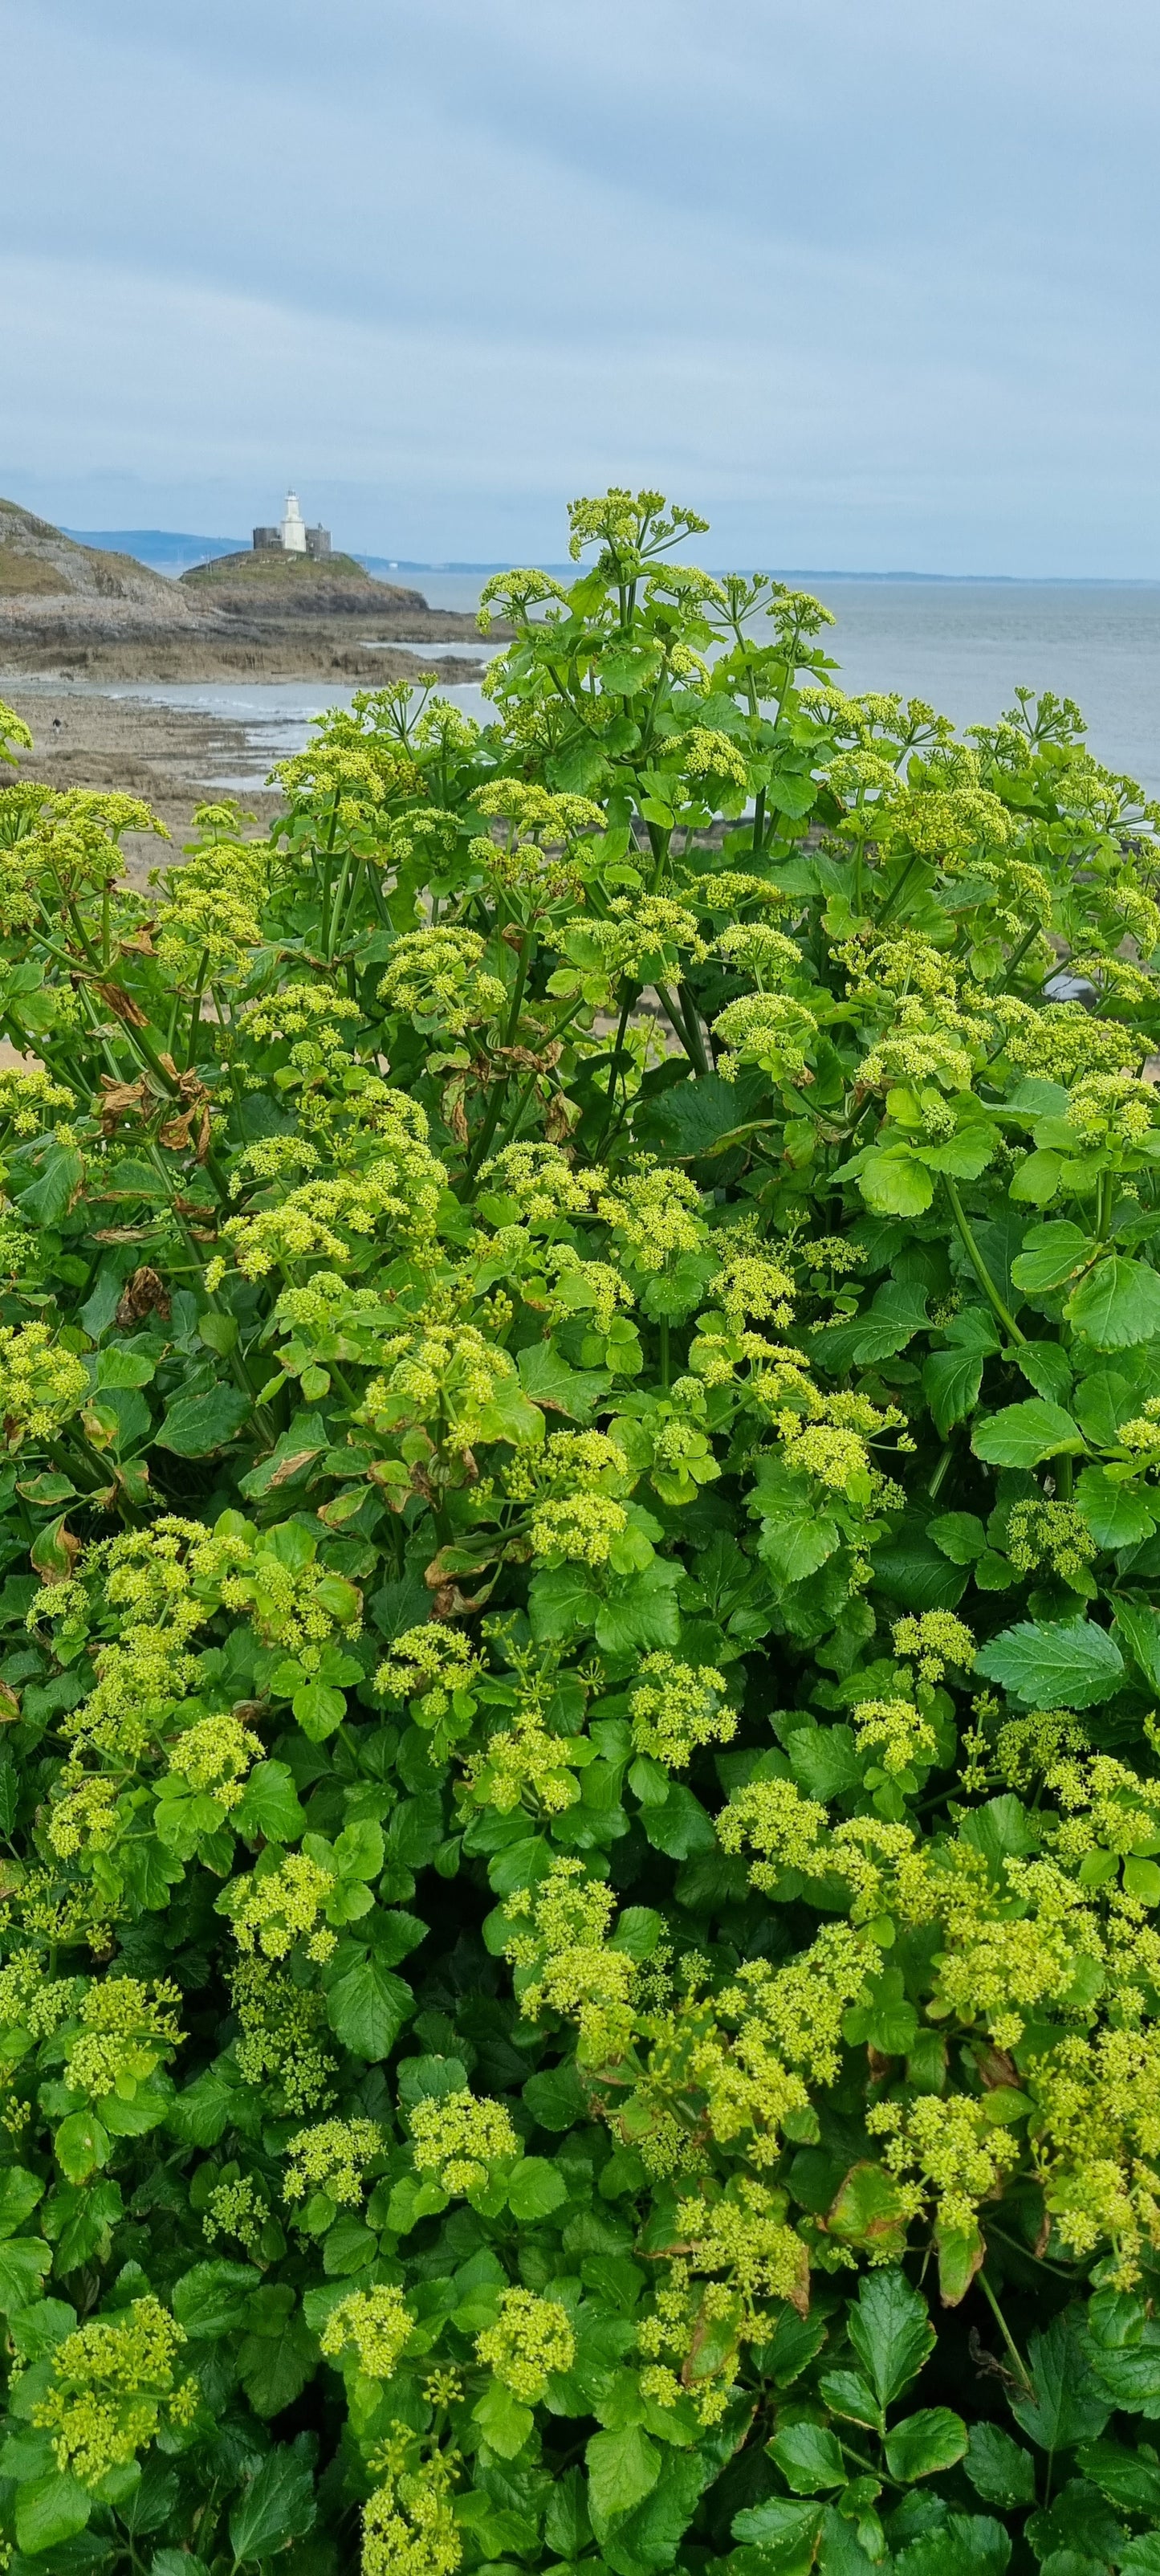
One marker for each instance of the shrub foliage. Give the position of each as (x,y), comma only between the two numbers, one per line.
(580,1380)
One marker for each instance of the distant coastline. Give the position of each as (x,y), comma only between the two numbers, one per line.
(171,551)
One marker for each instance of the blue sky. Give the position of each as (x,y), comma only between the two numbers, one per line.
(870,286)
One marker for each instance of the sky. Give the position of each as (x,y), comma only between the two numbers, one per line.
(869,287)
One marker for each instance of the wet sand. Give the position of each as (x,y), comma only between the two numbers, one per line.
(174,757)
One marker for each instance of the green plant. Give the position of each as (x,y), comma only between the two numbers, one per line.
(580,1375)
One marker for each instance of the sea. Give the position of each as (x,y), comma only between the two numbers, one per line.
(964,646)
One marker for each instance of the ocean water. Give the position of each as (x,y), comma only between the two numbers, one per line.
(963,646)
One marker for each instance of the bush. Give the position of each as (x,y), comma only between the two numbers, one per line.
(580,1373)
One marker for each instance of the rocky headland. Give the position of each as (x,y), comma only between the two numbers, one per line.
(74,612)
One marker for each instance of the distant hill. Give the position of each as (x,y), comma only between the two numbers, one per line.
(39,564)
(273,584)
(161,548)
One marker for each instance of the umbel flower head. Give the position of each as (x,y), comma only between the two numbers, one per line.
(531,2338)
(456,2136)
(114,2385)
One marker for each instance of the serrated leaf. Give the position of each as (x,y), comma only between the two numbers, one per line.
(368,2007)
(933,2439)
(1024,1434)
(622,2468)
(810,2459)
(999,2469)
(195,1425)
(277,2507)
(1051,1255)
(891,2332)
(1117,1304)
(1064,2403)
(1074,1664)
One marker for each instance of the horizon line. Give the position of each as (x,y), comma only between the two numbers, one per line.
(104,539)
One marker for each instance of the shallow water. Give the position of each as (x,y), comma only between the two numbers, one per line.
(964,646)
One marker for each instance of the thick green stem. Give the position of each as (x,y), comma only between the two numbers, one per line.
(979,1266)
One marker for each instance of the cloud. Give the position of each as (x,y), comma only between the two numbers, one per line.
(859,287)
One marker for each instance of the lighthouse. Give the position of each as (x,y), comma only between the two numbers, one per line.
(291,536)
(293,527)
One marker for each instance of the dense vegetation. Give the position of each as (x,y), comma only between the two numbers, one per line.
(580,1378)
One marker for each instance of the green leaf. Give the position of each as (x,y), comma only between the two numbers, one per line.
(81,2145)
(556,2099)
(951,1378)
(269,1806)
(213,2298)
(367,2009)
(785,2535)
(1117,1304)
(810,2459)
(933,2439)
(1000,2470)
(279,2353)
(869,2212)
(1024,1434)
(49,2511)
(504,2423)
(959,1535)
(535,2189)
(891,2332)
(1131,2375)
(645,2541)
(1115,1515)
(1065,2403)
(61,1174)
(319,1711)
(622,2468)
(680,1826)
(911,1570)
(1127,2478)
(19,2194)
(197,1424)
(642,1611)
(795,1542)
(1073,1664)
(547,1377)
(277,2507)
(1051,1255)
(1036,1179)
(892,1182)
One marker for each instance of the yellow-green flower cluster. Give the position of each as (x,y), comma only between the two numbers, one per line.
(769,1030)
(236,2208)
(427,1665)
(677,1707)
(435,976)
(114,2386)
(942,2147)
(332,2157)
(531,2340)
(127,2029)
(655,1215)
(571,1968)
(42,1384)
(409,2528)
(283,2036)
(1054,1534)
(744,2235)
(274,1908)
(376,2325)
(932,1640)
(457,2136)
(214,1755)
(895,1731)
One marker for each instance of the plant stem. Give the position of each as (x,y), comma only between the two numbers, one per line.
(1004,2329)
(979,1266)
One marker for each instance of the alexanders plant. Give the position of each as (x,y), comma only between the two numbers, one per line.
(580,1377)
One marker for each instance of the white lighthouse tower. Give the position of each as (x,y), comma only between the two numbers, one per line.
(293,527)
